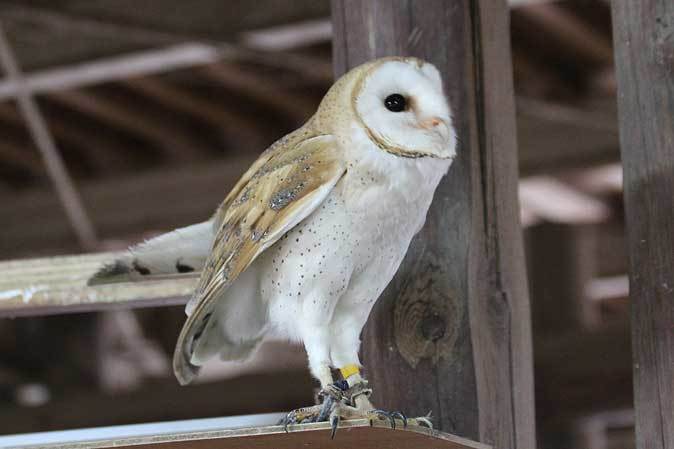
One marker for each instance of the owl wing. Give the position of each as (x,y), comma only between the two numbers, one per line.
(281,189)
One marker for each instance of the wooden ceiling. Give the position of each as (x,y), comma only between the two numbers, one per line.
(231,78)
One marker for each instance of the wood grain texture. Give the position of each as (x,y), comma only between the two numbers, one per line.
(562,261)
(59,285)
(355,433)
(452,332)
(644,48)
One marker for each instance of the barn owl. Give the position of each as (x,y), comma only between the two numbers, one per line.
(312,233)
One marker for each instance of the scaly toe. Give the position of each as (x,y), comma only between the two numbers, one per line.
(401,416)
(334,423)
(341,411)
(383,415)
(422,421)
(326,408)
(301,415)
(391,417)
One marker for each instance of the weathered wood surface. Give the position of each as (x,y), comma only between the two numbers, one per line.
(644,48)
(119,206)
(58,285)
(162,400)
(562,262)
(355,433)
(452,332)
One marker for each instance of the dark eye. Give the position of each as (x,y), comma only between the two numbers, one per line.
(395,103)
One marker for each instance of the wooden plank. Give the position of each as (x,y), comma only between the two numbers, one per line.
(58,285)
(355,433)
(566,33)
(581,371)
(554,137)
(115,68)
(174,97)
(452,332)
(56,169)
(175,144)
(139,430)
(256,88)
(101,154)
(562,261)
(21,156)
(644,49)
(163,400)
(120,206)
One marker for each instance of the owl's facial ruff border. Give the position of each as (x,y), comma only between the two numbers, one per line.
(377,140)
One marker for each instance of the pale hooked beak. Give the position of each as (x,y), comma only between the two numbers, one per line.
(435,124)
(430,123)
(444,131)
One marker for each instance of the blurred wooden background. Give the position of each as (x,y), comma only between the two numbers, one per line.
(156,108)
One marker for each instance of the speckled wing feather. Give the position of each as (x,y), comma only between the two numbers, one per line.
(282,188)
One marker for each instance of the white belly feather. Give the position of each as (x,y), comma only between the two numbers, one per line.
(331,268)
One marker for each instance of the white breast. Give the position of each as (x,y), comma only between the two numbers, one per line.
(348,250)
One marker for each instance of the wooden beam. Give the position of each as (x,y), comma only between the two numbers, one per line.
(56,285)
(576,38)
(581,372)
(562,261)
(159,199)
(115,68)
(597,430)
(644,50)
(452,332)
(289,36)
(608,288)
(207,110)
(355,433)
(162,400)
(554,137)
(261,90)
(553,200)
(21,156)
(39,132)
(176,145)
(100,153)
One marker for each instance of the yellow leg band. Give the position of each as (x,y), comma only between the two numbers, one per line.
(349,370)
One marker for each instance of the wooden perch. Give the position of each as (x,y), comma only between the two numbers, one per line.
(355,433)
(58,285)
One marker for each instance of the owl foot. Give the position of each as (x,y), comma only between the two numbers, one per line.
(355,404)
(343,402)
(393,419)
(331,396)
(301,415)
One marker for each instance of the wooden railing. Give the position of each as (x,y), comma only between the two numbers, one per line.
(59,285)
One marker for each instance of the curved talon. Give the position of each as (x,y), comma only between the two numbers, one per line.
(301,415)
(326,409)
(286,420)
(401,416)
(385,414)
(424,421)
(334,423)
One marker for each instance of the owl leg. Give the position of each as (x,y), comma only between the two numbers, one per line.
(317,344)
(356,403)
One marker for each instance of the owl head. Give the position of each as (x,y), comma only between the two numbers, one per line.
(400,104)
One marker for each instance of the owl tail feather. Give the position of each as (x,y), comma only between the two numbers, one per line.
(181,251)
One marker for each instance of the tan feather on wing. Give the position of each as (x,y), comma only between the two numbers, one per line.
(281,189)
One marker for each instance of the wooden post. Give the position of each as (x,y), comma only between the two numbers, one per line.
(561,264)
(452,332)
(644,48)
